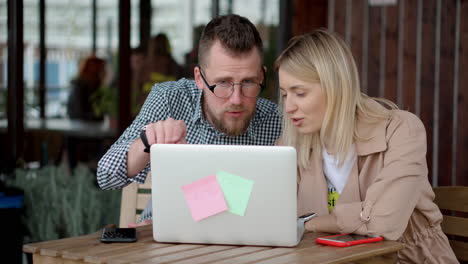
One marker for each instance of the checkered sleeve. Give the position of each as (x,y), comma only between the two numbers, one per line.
(112,167)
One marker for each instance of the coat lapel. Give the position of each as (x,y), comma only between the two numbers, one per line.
(313,192)
(351,191)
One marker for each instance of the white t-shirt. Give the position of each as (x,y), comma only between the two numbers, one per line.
(337,176)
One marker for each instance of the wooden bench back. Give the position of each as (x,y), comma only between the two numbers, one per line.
(453,199)
(134,199)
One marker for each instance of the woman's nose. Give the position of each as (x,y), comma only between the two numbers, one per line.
(289,105)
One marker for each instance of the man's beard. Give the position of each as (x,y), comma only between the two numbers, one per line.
(220,125)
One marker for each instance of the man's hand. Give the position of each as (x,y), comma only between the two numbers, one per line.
(169,131)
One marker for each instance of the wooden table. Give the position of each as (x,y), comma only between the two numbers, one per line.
(88,249)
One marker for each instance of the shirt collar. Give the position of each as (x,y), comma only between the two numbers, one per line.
(198,117)
(197,111)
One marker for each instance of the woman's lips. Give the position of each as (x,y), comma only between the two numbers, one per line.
(297,121)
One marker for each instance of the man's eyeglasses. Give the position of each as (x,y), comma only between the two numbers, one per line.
(225,89)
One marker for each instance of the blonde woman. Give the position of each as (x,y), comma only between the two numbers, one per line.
(362,162)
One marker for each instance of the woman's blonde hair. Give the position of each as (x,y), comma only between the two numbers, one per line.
(323,57)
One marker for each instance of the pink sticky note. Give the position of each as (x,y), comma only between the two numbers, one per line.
(204,198)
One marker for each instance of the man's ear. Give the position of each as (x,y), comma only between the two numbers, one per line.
(198,79)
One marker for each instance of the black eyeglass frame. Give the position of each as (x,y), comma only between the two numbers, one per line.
(212,87)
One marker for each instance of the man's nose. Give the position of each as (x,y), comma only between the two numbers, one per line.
(236,96)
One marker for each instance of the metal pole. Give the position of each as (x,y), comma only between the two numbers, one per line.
(285,25)
(145,23)
(124,71)
(42,59)
(15,106)
(214,8)
(94,25)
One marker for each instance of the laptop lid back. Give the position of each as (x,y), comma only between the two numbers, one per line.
(257,183)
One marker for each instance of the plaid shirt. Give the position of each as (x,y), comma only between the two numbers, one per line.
(182,100)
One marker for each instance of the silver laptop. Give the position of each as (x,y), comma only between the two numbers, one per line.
(219,194)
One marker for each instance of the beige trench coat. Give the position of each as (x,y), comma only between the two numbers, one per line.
(387,193)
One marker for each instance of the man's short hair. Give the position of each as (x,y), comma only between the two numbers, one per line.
(236,34)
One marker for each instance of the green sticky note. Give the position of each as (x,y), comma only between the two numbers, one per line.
(236,191)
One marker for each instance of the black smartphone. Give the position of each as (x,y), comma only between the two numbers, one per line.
(116,235)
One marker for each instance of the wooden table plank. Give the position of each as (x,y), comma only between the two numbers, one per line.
(102,258)
(39,259)
(239,251)
(257,256)
(329,254)
(123,254)
(96,247)
(36,247)
(187,254)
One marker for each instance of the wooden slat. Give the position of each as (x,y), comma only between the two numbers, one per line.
(314,16)
(391,52)
(187,254)
(454,225)
(446,92)
(462,139)
(343,255)
(132,201)
(38,259)
(147,184)
(357,33)
(240,251)
(36,247)
(340,18)
(142,201)
(427,75)
(460,248)
(122,256)
(453,198)
(133,258)
(409,55)
(128,204)
(374,62)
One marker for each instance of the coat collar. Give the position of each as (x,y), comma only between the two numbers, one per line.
(373,136)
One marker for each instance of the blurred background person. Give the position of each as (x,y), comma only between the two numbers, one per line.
(90,78)
(160,66)
(137,65)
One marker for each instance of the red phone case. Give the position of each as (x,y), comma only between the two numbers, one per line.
(325,241)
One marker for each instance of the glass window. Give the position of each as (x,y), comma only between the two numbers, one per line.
(181,21)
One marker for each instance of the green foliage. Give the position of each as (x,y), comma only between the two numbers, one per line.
(59,205)
(104,101)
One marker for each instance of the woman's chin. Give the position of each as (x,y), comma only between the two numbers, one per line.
(303,130)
